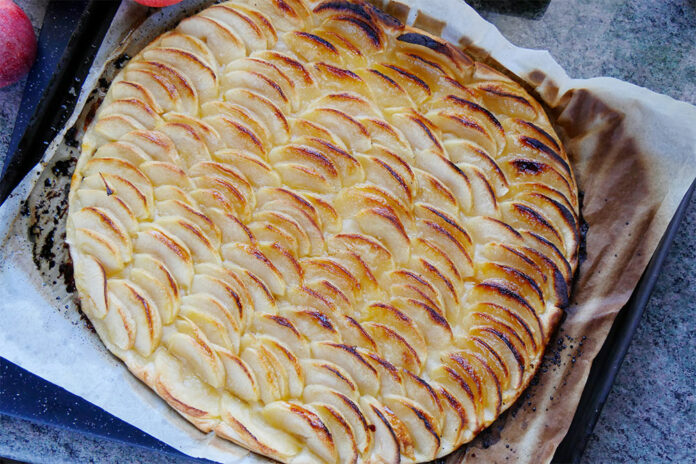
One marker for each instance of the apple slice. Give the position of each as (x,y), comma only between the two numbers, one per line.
(303,424)
(146,319)
(225,44)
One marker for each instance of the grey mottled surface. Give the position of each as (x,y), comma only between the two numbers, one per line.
(650,415)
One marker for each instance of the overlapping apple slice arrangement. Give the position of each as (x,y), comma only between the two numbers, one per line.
(323,235)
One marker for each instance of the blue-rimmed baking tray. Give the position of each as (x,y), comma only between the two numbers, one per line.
(27,396)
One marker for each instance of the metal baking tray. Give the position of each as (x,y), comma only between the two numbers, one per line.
(27,396)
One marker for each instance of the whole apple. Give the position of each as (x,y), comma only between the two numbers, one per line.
(17,43)
(157,3)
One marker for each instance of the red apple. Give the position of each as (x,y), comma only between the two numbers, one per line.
(157,3)
(17,43)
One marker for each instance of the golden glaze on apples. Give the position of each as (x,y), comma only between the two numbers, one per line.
(323,235)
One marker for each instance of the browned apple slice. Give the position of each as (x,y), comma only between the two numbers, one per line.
(99,246)
(350,411)
(383,224)
(210,305)
(384,444)
(175,39)
(260,294)
(418,130)
(314,324)
(433,324)
(340,431)
(399,322)
(348,129)
(329,375)
(125,90)
(421,426)
(223,291)
(171,251)
(423,394)
(529,218)
(176,86)
(302,177)
(256,171)
(270,374)
(416,87)
(251,258)
(444,286)
(239,378)
(332,270)
(193,398)
(506,344)
(191,346)
(249,430)
(123,150)
(311,47)
(449,174)
(133,108)
(119,324)
(387,92)
(440,237)
(427,250)
(201,75)
(387,136)
(225,44)
(158,291)
(455,420)
(148,325)
(265,232)
(202,250)
(195,216)
(284,262)
(459,395)
(505,99)
(115,126)
(410,278)
(156,144)
(283,330)
(163,93)
(463,151)
(188,142)
(374,253)
(235,135)
(101,221)
(361,371)
(354,27)
(303,424)
(216,330)
(90,278)
(272,73)
(393,347)
(471,121)
(111,203)
(500,294)
(290,363)
(263,109)
(172,192)
(231,227)
(240,23)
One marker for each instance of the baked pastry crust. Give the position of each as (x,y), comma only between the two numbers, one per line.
(321,234)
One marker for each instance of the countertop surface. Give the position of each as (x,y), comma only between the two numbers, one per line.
(650,415)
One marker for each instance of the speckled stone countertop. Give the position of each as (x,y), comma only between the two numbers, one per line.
(650,415)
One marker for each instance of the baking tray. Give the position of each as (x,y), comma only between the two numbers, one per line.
(27,396)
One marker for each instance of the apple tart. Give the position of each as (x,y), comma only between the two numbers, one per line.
(321,234)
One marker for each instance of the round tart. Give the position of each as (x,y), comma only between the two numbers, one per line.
(321,234)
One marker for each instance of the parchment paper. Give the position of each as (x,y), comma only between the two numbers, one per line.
(634,155)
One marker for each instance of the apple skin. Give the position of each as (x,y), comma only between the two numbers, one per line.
(17,43)
(157,3)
